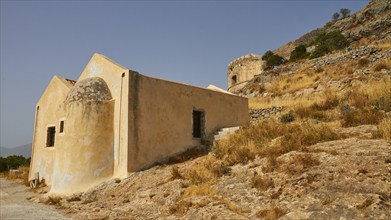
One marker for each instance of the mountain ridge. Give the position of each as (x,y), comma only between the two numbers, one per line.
(24,150)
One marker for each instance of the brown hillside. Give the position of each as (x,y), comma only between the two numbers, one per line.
(372,22)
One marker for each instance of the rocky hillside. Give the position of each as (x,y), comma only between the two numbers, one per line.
(370,23)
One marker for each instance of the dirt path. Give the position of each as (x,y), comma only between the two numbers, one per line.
(13,204)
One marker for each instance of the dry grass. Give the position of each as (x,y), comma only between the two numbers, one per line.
(271,214)
(175,174)
(180,208)
(327,200)
(267,102)
(339,70)
(383,45)
(380,66)
(367,202)
(261,182)
(199,174)
(293,83)
(375,93)
(21,175)
(208,170)
(52,200)
(384,128)
(247,143)
(256,140)
(362,117)
(271,164)
(232,206)
(307,112)
(301,162)
(199,190)
(256,87)
(367,100)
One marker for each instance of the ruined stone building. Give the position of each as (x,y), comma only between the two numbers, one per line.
(242,70)
(113,121)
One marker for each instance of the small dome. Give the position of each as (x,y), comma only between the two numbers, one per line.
(92,89)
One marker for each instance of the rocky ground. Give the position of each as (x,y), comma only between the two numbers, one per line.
(348,179)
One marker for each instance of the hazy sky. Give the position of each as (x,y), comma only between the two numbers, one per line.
(184,41)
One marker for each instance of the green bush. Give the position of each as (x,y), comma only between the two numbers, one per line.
(13,162)
(286,118)
(272,59)
(344,12)
(300,52)
(328,42)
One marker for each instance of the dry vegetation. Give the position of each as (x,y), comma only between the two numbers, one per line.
(20,175)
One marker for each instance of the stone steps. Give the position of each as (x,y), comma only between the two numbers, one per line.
(224,133)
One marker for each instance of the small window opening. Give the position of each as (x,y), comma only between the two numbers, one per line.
(198,124)
(51,133)
(61,126)
(234,79)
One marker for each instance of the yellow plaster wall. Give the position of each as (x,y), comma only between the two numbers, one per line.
(116,78)
(162,122)
(48,114)
(84,156)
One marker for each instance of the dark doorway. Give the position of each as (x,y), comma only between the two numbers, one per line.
(198,123)
(50,136)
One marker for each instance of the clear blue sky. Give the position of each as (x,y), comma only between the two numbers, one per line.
(184,41)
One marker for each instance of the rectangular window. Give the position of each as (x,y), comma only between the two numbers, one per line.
(51,134)
(198,123)
(61,126)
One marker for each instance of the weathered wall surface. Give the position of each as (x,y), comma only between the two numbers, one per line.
(162,124)
(48,113)
(84,150)
(243,69)
(116,78)
(84,155)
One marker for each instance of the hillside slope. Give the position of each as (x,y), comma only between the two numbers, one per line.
(347,178)
(371,23)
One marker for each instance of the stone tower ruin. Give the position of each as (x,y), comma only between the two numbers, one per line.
(242,70)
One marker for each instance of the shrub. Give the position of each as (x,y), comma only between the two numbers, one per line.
(300,52)
(272,59)
(286,118)
(328,42)
(336,16)
(363,62)
(13,162)
(344,12)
